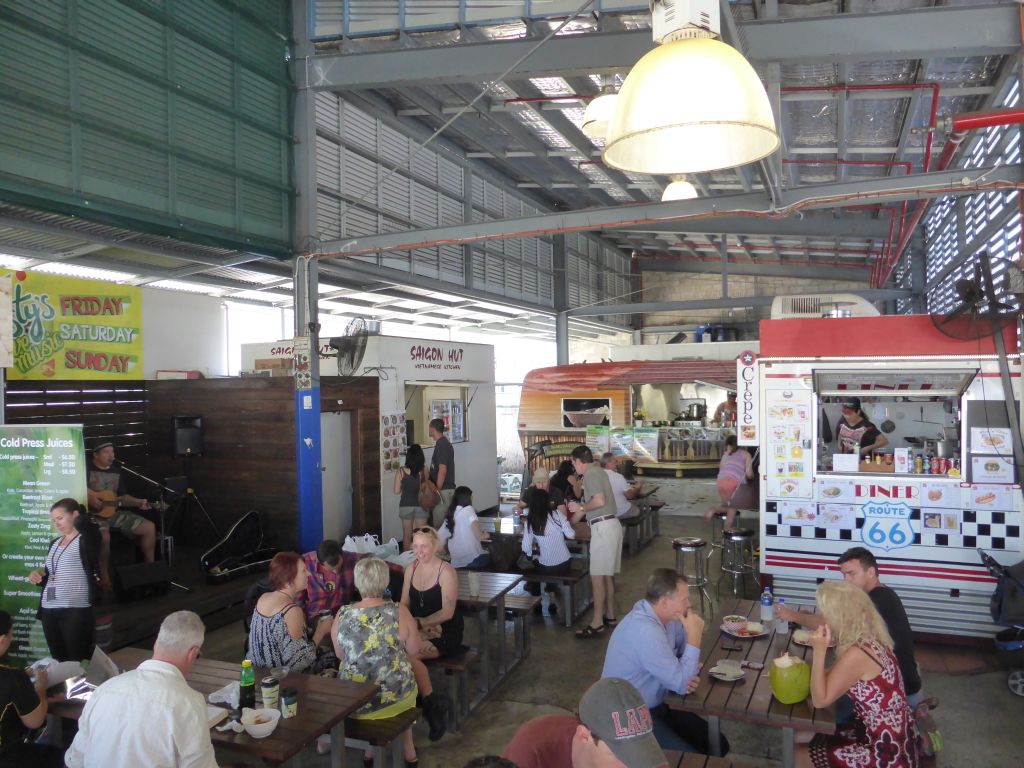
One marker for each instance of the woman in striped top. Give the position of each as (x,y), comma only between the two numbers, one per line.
(549,528)
(69,580)
(735,469)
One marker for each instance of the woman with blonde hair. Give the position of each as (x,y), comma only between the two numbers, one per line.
(373,640)
(881,734)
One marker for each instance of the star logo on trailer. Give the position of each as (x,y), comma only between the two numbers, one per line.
(747,358)
(886,526)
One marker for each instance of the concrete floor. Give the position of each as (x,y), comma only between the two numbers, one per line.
(980,719)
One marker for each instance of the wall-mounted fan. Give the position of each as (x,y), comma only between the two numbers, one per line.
(351,347)
(985,304)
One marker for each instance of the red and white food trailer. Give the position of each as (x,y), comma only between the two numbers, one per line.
(918,386)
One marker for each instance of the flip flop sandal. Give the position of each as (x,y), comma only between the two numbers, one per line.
(589,632)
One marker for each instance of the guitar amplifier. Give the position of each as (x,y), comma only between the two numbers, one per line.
(134,582)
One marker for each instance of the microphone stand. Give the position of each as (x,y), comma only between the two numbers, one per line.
(168,554)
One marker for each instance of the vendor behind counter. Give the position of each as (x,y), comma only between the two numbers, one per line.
(855,433)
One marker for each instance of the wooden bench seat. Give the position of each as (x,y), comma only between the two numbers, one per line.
(573,603)
(519,608)
(631,529)
(383,736)
(456,668)
(692,760)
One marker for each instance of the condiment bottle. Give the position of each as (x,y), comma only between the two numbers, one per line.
(247,686)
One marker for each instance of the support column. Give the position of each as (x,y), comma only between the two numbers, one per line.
(560,280)
(306,347)
(723,250)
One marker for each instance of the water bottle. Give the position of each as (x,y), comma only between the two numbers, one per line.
(782,625)
(247,686)
(766,606)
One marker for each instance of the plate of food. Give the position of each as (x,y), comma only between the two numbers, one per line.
(803,637)
(726,670)
(748,631)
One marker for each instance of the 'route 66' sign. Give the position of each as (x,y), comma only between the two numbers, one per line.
(886,526)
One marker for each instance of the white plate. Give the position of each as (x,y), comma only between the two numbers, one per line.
(763,633)
(726,677)
(807,644)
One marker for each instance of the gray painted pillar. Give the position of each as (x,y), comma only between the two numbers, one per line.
(562,338)
(918,281)
(467,213)
(723,250)
(560,279)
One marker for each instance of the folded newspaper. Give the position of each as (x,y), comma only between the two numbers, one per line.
(101,669)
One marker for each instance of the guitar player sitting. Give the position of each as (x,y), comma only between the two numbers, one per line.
(109,505)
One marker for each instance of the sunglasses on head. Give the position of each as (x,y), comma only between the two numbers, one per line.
(424,529)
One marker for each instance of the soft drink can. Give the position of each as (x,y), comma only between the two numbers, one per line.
(935,465)
(918,464)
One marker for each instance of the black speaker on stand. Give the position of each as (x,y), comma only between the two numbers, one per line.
(188,444)
(188,436)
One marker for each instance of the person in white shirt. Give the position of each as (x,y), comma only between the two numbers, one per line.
(622,490)
(149,716)
(462,533)
(549,528)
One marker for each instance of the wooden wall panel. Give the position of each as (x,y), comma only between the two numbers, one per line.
(543,410)
(248,459)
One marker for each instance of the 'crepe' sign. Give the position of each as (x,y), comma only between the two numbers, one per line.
(746,399)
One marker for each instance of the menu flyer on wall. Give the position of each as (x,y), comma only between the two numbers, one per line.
(38,466)
(597,439)
(620,441)
(645,444)
(788,434)
(392,440)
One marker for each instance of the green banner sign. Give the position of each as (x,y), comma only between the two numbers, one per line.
(38,466)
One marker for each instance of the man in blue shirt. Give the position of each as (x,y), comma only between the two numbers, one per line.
(656,647)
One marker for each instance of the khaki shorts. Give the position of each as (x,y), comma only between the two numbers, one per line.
(124,521)
(606,548)
(412,513)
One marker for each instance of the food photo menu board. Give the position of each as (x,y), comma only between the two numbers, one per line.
(789,439)
(38,466)
(392,440)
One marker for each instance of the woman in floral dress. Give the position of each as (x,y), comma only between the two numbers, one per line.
(882,733)
(373,639)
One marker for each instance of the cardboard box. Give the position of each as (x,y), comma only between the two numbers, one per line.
(273,363)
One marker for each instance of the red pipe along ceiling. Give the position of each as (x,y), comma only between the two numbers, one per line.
(959,124)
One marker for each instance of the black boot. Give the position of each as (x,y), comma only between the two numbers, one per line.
(435,709)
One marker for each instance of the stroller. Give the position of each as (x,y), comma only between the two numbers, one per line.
(1008,610)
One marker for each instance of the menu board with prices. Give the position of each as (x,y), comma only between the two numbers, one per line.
(393,442)
(597,439)
(645,444)
(789,439)
(38,466)
(620,441)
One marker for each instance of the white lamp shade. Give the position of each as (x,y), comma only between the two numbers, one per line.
(690,106)
(679,190)
(598,115)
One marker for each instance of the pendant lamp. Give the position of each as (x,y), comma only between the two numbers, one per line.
(679,189)
(691,105)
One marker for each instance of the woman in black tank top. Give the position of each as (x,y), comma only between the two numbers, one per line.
(431,592)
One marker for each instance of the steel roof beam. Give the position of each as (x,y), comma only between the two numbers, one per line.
(944,31)
(871,294)
(825,196)
(758,269)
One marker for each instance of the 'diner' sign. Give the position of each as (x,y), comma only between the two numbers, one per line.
(747,414)
(66,328)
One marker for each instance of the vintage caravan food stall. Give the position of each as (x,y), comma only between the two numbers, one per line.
(418,381)
(946,484)
(657,412)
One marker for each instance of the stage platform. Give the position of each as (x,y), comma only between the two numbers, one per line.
(136,622)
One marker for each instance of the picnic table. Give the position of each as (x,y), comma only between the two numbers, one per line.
(493,588)
(323,705)
(513,526)
(750,699)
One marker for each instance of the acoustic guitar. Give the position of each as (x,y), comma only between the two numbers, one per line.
(109,499)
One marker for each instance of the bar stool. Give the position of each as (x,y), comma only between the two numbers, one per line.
(698,579)
(737,558)
(717,526)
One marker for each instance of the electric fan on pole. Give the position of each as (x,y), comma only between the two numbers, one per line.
(351,347)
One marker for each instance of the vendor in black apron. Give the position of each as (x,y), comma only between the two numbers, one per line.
(854,433)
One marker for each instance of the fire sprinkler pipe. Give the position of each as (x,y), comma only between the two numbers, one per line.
(960,125)
(908,167)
